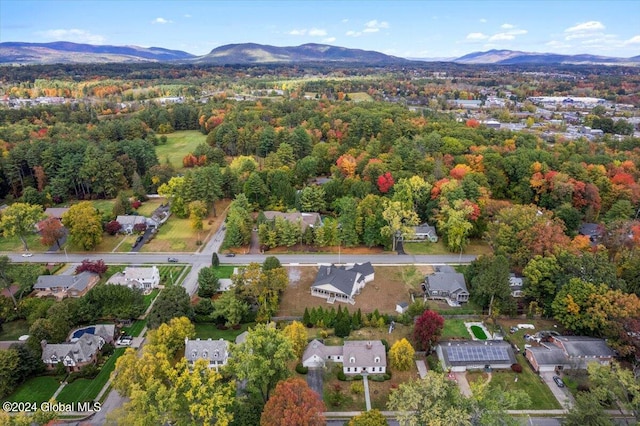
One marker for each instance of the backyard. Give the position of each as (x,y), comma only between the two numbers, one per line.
(14,329)
(454,329)
(210,331)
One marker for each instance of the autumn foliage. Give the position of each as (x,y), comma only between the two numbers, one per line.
(347,165)
(385,182)
(293,403)
(191,160)
(97,267)
(427,330)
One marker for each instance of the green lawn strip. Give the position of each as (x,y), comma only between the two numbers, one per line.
(148,207)
(178,145)
(148,298)
(454,328)
(36,389)
(209,331)
(15,243)
(541,397)
(478,332)
(170,273)
(127,244)
(135,329)
(476,247)
(87,390)
(225,271)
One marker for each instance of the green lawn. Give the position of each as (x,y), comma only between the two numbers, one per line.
(148,207)
(83,390)
(169,273)
(528,381)
(478,332)
(476,247)
(135,329)
(14,329)
(225,271)
(175,235)
(454,328)
(15,243)
(360,97)
(148,298)
(105,206)
(178,145)
(209,331)
(36,389)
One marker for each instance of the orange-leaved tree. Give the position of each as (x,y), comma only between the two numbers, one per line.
(293,403)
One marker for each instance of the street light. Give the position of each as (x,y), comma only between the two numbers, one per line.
(339,240)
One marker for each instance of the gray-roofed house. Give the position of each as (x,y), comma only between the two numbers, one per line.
(74,355)
(145,279)
(446,284)
(215,352)
(106,331)
(356,356)
(61,286)
(465,355)
(569,353)
(128,222)
(304,219)
(55,212)
(341,283)
(516,285)
(423,232)
(592,230)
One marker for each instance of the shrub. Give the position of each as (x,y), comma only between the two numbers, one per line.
(341,376)
(517,368)
(388,373)
(583,387)
(301,369)
(387,376)
(377,378)
(357,388)
(357,377)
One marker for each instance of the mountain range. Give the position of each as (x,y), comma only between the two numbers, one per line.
(252,53)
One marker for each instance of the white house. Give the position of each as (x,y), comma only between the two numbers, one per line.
(516,285)
(145,279)
(215,352)
(356,356)
(342,283)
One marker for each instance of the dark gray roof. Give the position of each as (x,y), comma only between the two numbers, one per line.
(443,269)
(581,346)
(425,228)
(338,277)
(363,268)
(453,282)
(515,283)
(80,351)
(590,229)
(548,355)
(76,282)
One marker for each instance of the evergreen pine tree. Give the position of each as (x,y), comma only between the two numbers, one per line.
(306,318)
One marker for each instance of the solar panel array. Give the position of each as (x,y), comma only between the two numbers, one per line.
(476,353)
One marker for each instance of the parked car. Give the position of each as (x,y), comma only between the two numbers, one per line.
(172,260)
(558,381)
(230,255)
(27,254)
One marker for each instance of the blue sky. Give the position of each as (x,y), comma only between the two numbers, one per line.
(402,28)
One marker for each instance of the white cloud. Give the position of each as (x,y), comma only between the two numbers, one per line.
(352,33)
(507,26)
(345,20)
(315,32)
(161,21)
(371,30)
(186,15)
(329,40)
(73,35)
(476,36)
(633,40)
(588,26)
(374,24)
(502,37)
(483,20)
(297,32)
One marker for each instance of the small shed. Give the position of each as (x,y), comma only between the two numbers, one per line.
(401,307)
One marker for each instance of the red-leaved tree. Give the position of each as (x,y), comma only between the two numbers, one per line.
(97,267)
(113,227)
(293,403)
(51,230)
(385,182)
(427,330)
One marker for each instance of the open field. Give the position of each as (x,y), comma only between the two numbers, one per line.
(36,389)
(178,145)
(360,96)
(15,243)
(476,247)
(387,289)
(82,390)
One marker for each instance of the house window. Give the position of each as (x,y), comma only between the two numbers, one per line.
(352,360)
(376,359)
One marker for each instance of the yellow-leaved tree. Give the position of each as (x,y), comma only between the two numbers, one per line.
(401,355)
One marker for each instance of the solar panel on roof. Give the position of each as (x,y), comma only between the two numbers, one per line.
(476,353)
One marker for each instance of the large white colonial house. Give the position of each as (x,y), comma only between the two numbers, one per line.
(356,356)
(215,352)
(145,279)
(341,283)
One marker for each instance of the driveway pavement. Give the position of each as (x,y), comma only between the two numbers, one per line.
(463,384)
(314,380)
(563,395)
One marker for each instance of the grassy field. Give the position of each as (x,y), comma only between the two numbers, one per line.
(476,247)
(225,271)
(209,331)
(83,390)
(169,273)
(105,206)
(148,207)
(135,329)
(14,329)
(454,328)
(178,145)
(36,389)
(15,243)
(541,397)
(360,97)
